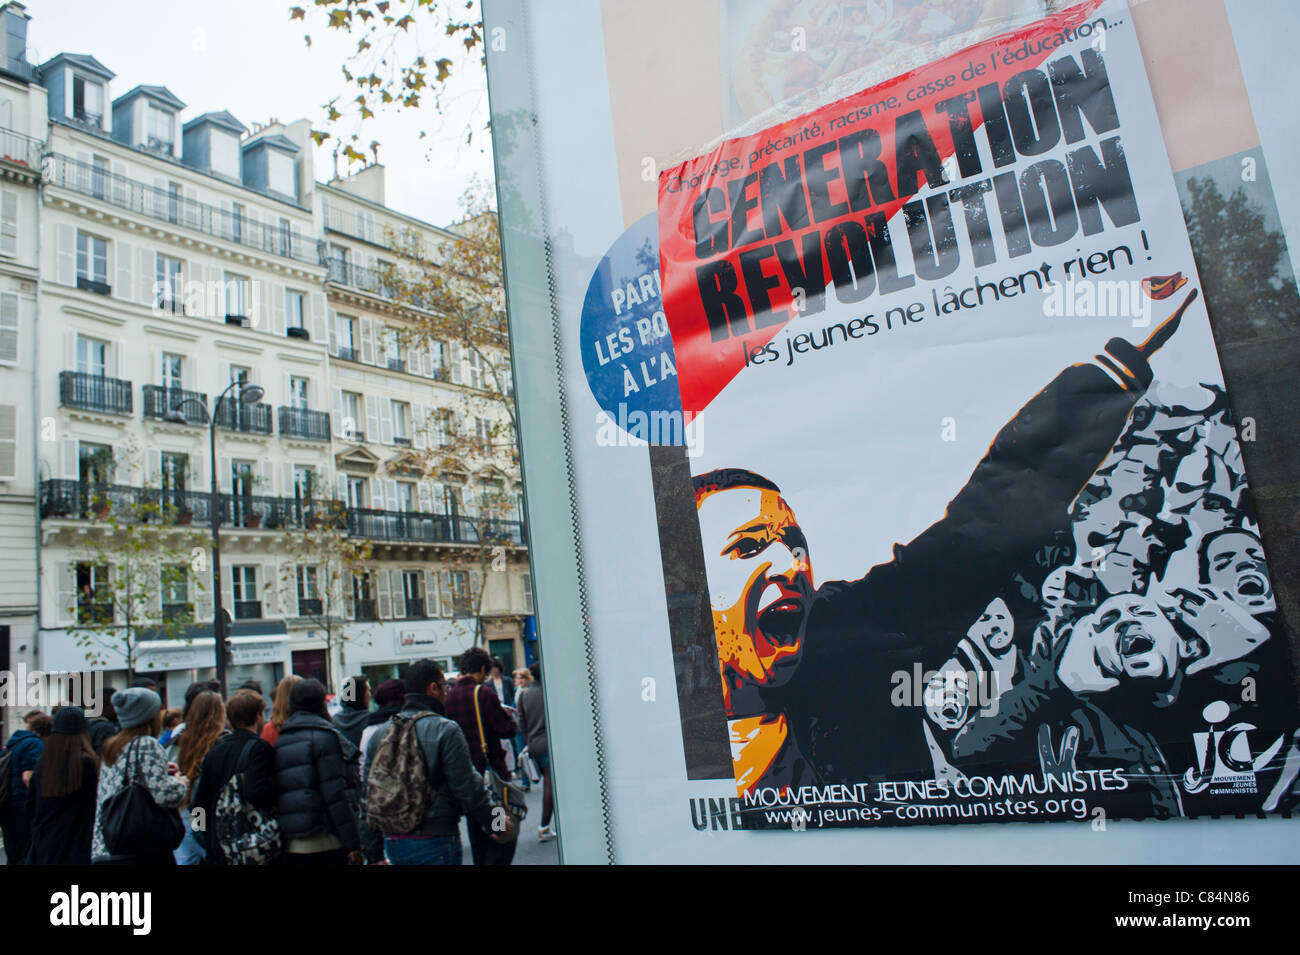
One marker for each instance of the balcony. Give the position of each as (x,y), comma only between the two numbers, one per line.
(93,285)
(95,393)
(302,423)
(248,609)
(415,608)
(247,418)
(348,354)
(419,527)
(157,203)
(20,150)
(310,607)
(374,281)
(397,364)
(178,611)
(159,400)
(365,609)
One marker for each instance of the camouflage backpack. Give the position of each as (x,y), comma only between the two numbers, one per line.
(397,781)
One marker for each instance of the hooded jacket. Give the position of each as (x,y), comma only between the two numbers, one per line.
(351,723)
(26,748)
(316,781)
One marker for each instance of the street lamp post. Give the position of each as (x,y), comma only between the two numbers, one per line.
(247,394)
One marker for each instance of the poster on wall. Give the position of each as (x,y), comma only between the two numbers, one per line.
(967,501)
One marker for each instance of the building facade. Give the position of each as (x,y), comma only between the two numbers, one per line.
(181,271)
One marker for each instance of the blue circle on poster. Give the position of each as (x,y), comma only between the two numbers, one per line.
(627,350)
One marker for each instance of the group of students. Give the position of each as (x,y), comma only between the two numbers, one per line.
(302,770)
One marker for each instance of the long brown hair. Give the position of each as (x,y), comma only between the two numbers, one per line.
(204,722)
(113,748)
(280,709)
(64,764)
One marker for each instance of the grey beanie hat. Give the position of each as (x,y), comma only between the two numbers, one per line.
(135,706)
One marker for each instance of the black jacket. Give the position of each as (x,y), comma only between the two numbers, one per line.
(63,827)
(219,765)
(316,781)
(101,730)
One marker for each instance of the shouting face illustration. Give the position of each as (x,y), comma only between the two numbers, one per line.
(760,582)
(1133,638)
(1233,561)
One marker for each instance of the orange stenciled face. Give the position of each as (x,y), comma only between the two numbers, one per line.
(760,589)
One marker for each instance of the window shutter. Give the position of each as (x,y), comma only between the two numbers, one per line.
(8,442)
(8,222)
(67,255)
(367,341)
(125,256)
(154,459)
(390,493)
(201,591)
(199,476)
(119,359)
(418,437)
(9,327)
(426,358)
(340,426)
(148,267)
(431,607)
(278,308)
(341,487)
(286,480)
(71,465)
(476,602)
(372,419)
(454,360)
(228,591)
(447,602)
(386,421)
(319,325)
(223,473)
(270,584)
(333,322)
(425,497)
(385,596)
(260,293)
(65,607)
(399,594)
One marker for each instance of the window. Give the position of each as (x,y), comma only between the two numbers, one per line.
(175,581)
(309,599)
(241,478)
(406,497)
(528,593)
(477,370)
(243,587)
(461,604)
(338,265)
(363,602)
(161,129)
(280,169)
(352,416)
(356,492)
(168,284)
(173,371)
(366,226)
(304,482)
(482,434)
(298,393)
(175,468)
(393,344)
(347,333)
(444,428)
(437,351)
(236,296)
(99,177)
(224,153)
(87,100)
(240,373)
(401,423)
(94,463)
(293,309)
(92,356)
(242,486)
(8,222)
(237,222)
(413,592)
(286,237)
(173,202)
(92,263)
(94,594)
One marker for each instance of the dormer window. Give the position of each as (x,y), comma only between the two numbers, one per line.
(87,100)
(161,129)
(224,153)
(280,173)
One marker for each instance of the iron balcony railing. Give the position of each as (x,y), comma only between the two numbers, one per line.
(85,500)
(242,416)
(248,609)
(21,150)
(94,392)
(415,608)
(365,608)
(310,606)
(159,400)
(169,206)
(302,423)
(348,354)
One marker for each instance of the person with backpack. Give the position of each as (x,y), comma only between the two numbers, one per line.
(420,779)
(63,793)
(485,723)
(17,761)
(205,725)
(134,756)
(316,784)
(389,697)
(240,752)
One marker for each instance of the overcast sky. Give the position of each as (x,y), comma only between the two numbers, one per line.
(247,57)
